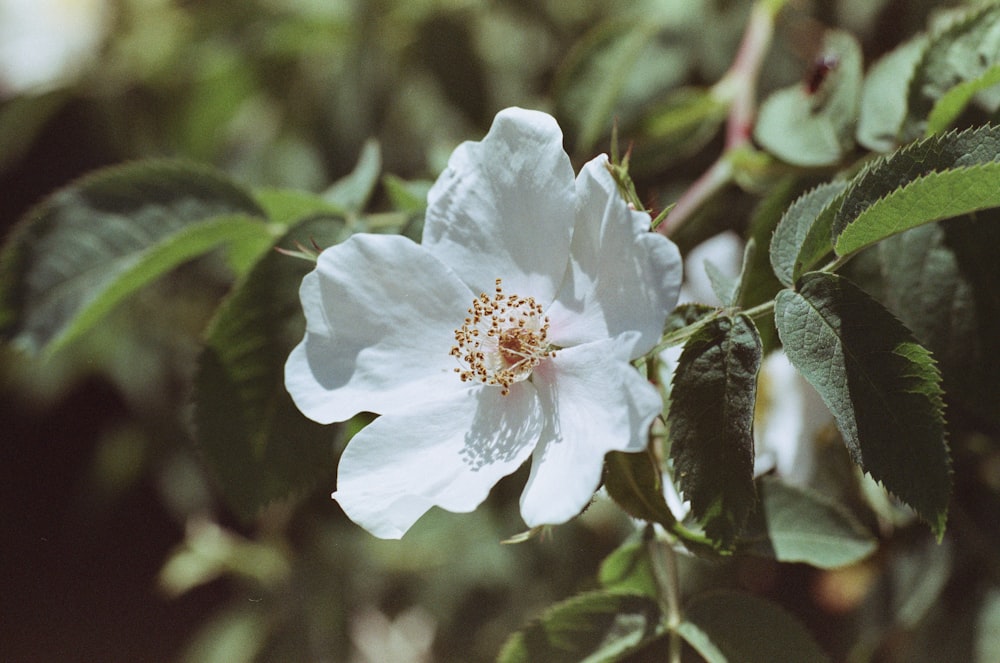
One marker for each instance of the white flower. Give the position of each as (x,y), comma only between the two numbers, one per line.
(791,420)
(506,333)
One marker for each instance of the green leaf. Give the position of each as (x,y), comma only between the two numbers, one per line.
(286,206)
(680,126)
(629,570)
(759,284)
(733,627)
(258,445)
(963,51)
(938,178)
(95,242)
(353,191)
(801,525)
(687,314)
(802,237)
(633,480)
(614,72)
(815,127)
(190,242)
(406,196)
(710,422)
(941,281)
(597,626)
(728,289)
(882,387)
(951,104)
(884,96)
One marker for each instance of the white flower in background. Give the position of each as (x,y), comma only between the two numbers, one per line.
(46,43)
(506,333)
(791,419)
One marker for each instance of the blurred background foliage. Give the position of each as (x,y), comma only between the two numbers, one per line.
(117,545)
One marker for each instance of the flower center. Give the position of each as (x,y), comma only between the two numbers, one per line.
(502,340)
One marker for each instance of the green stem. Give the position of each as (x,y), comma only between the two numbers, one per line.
(759,310)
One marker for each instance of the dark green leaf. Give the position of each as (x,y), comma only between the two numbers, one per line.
(882,387)
(710,422)
(95,242)
(937,178)
(815,127)
(258,445)
(687,314)
(732,627)
(800,525)
(963,51)
(941,281)
(759,284)
(633,480)
(680,126)
(802,237)
(598,626)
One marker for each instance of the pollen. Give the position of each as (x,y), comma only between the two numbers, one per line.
(502,340)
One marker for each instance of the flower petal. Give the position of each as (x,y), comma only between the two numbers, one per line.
(504,207)
(595,402)
(381,313)
(623,276)
(448,453)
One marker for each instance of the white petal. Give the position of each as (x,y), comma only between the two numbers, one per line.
(448,454)
(595,402)
(504,207)
(624,277)
(381,314)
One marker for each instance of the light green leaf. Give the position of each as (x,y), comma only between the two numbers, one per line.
(951,104)
(710,423)
(353,191)
(286,206)
(733,627)
(406,196)
(93,243)
(884,96)
(628,569)
(882,387)
(802,237)
(259,447)
(241,232)
(938,178)
(801,525)
(815,127)
(633,480)
(597,626)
